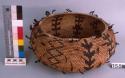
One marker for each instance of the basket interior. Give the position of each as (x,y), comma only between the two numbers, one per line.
(73,26)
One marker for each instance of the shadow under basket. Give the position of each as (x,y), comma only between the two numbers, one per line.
(72,42)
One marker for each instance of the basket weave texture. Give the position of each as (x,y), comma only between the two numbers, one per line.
(72,42)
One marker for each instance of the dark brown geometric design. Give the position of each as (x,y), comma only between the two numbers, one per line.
(89,54)
(71,66)
(109,42)
(77,29)
(94,25)
(55,25)
(54,51)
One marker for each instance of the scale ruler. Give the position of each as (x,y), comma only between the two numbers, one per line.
(8,30)
(13,27)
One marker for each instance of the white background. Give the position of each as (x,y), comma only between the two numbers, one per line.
(112,11)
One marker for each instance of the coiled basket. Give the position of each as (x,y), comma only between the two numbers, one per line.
(72,42)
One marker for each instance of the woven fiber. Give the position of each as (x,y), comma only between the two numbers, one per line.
(72,42)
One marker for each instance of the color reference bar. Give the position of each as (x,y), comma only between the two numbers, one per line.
(17,31)
(13,28)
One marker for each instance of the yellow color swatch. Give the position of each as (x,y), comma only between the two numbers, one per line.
(20,42)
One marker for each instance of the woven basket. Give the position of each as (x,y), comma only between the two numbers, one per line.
(72,42)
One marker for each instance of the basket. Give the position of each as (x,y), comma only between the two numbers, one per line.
(72,42)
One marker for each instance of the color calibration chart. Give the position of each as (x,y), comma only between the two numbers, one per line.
(13,27)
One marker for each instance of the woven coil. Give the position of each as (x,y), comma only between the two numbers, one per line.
(72,42)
